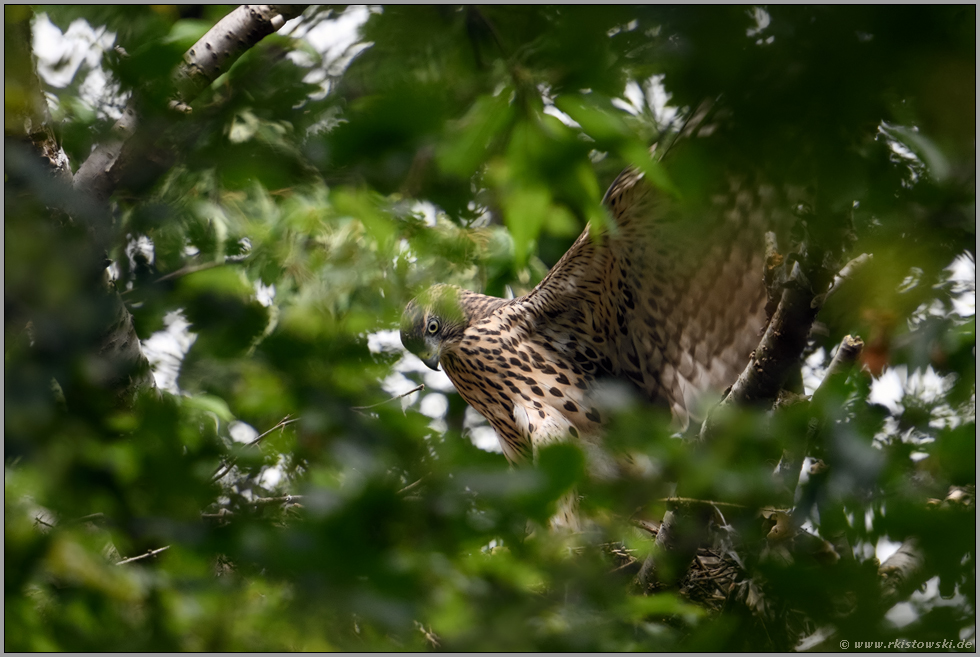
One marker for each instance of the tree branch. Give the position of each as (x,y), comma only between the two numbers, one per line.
(227,466)
(847,355)
(902,573)
(149,553)
(778,352)
(212,55)
(788,470)
(760,383)
(229,39)
(906,570)
(26,114)
(125,152)
(93,174)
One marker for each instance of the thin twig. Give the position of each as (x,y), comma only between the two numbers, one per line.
(150,553)
(411,486)
(191,269)
(39,521)
(691,501)
(225,468)
(429,635)
(420,386)
(282,423)
(92,516)
(222,470)
(711,577)
(225,513)
(285,499)
(650,527)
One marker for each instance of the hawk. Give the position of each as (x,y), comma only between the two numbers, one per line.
(671,303)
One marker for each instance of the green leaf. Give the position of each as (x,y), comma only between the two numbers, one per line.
(525,211)
(185,33)
(661,605)
(598,118)
(209,404)
(654,171)
(467,146)
(225,280)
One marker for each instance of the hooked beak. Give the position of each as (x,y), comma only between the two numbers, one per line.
(430,353)
(427,348)
(432,362)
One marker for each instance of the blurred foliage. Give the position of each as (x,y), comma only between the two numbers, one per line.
(308,201)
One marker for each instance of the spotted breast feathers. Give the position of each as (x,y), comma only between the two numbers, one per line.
(669,302)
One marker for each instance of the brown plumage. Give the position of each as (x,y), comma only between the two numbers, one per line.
(668,301)
(668,297)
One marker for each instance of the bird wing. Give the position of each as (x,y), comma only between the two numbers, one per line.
(671,299)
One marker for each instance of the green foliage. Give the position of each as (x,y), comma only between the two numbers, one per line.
(290,224)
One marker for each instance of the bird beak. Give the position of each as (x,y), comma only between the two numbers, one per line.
(432,362)
(430,352)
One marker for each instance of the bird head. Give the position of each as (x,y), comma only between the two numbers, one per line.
(433,322)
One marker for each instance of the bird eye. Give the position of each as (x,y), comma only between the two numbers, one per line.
(432,327)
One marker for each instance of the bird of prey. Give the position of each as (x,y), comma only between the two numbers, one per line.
(668,303)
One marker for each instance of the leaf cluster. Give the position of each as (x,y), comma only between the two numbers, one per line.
(291,215)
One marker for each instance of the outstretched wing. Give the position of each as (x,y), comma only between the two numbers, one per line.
(671,300)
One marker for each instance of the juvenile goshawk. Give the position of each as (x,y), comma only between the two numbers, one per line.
(669,300)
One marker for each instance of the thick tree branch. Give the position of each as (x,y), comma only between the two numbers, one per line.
(788,470)
(93,174)
(681,534)
(212,55)
(224,43)
(128,371)
(778,353)
(26,114)
(903,572)
(840,366)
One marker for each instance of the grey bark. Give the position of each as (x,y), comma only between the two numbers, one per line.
(212,55)
(125,368)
